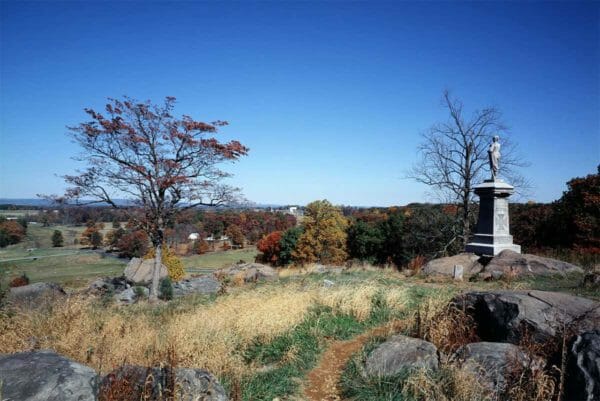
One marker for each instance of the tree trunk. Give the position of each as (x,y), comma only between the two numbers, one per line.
(466,229)
(156,273)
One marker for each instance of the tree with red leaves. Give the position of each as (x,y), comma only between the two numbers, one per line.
(163,164)
(269,246)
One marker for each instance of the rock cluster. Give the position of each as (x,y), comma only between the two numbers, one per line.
(248,272)
(505,263)
(503,319)
(204,285)
(46,375)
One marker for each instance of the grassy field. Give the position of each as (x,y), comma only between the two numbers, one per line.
(74,267)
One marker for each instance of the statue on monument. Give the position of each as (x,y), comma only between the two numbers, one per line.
(494,155)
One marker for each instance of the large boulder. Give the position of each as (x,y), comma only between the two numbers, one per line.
(140,271)
(45,376)
(204,285)
(248,272)
(399,354)
(517,264)
(152,384)
(583,369)
(491,362)
(503,316)
(445,266)
(35,295)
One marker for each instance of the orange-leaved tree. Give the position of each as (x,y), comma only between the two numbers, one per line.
(324,236)
(163,164)
(269,246)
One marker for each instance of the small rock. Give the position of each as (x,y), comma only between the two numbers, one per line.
(45,375)
(129,295)
(496,274)
(458,272)
(328,283)
(401,353)
(491,361)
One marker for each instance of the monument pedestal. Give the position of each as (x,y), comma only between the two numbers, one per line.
(492,234)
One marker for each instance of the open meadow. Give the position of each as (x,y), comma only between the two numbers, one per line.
(74,266)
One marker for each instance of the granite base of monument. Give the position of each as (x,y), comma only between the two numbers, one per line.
(492,234)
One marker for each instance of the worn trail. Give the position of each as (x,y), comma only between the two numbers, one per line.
(322,381)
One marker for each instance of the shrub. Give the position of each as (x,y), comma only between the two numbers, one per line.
(19,281)
(166,289)
(139,292)
(57,239)
(287,244)
(169,259)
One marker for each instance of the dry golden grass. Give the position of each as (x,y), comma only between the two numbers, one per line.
(211,336)
(442,324)
(451,383)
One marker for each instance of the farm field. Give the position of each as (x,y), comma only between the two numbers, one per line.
(73,267)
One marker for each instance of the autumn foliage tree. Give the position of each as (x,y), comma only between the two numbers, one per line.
(269,246)
(324,236)
(11,232)
(161,163)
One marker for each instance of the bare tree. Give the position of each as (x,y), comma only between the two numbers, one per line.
(453,157)
(162,164)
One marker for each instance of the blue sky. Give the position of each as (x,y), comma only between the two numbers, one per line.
(329,96)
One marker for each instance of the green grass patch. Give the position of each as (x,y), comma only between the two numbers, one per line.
(289,357)
(74,270)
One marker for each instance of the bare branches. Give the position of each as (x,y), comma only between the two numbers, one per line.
(453,155)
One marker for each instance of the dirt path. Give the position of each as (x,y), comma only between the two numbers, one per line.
(322,381)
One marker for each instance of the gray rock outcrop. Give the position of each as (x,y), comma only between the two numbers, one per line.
(35,295)
(583,369)
(401,353)
(140,271)
(510,262)
(109,285)
(251,272)
(45,376)
(204,285)
(491,361)
(445,266)
(136,382)
(501,316)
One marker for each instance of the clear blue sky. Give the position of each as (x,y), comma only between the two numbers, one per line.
(330,97)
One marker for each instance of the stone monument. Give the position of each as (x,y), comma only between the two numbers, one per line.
(492,234)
